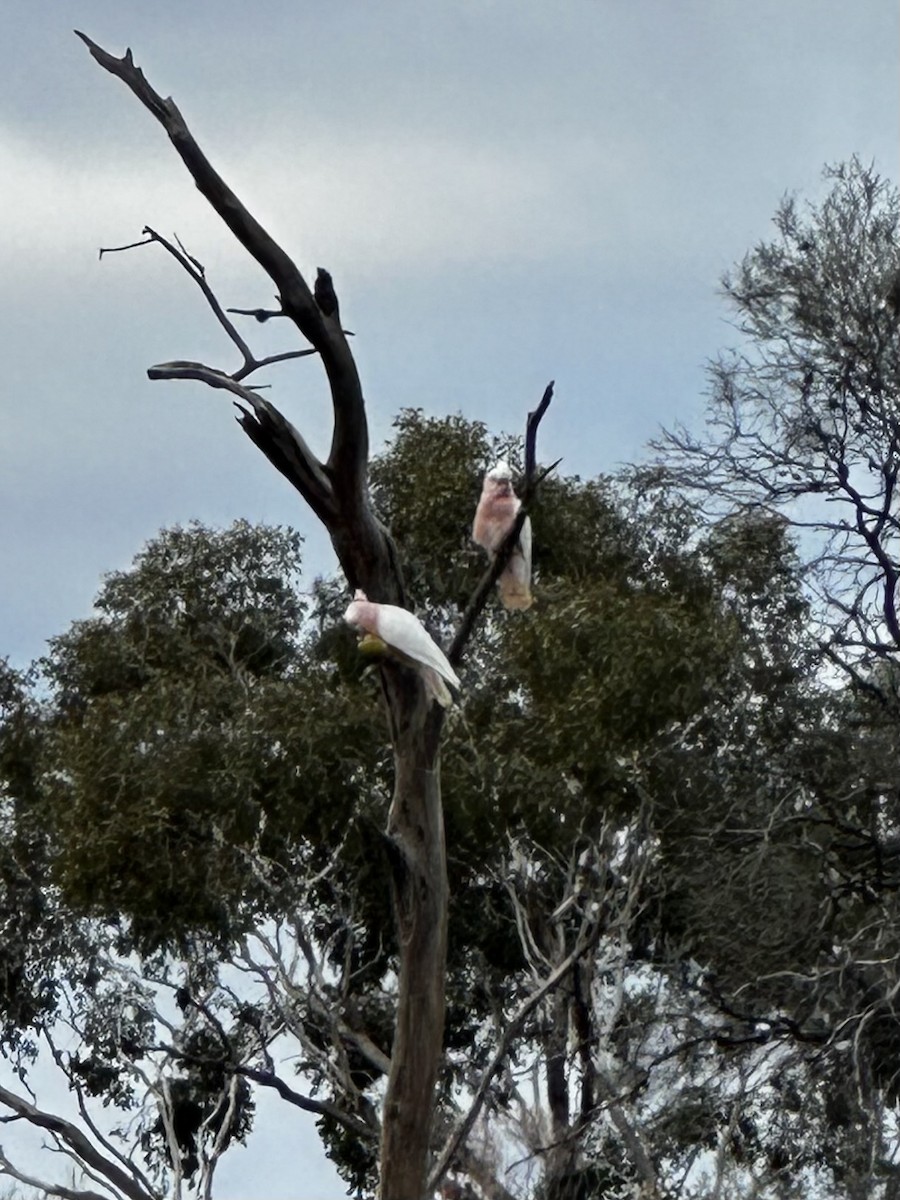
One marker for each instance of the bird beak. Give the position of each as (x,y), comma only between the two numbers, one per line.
(371,646)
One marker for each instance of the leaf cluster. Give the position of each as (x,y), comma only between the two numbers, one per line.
(657,747)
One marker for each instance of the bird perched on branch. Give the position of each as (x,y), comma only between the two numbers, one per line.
(494,518)
(390,629)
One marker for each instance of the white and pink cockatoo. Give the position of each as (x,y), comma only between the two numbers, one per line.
(406,638)
(494,518)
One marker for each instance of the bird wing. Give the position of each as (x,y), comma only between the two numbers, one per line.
(494,518)
(514,583)
(405,633)
(525,543)
(484,527)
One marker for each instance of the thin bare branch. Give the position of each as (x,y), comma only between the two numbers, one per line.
(45,1188)
(529,1004)
(72,1137)
(284,356)
(322,1108)
(196,271)
(130,246)
(264,314)
(198,274)
(259,314)
(103,1141)
(348,457)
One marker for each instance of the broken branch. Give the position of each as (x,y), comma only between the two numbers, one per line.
(348,457)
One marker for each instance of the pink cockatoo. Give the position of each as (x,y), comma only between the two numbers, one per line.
(407,640)
(494,518)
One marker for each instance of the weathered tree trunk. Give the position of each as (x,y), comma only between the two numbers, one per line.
(336,491)
(416,830)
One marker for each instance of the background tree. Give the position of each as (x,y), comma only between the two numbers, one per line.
(660,966)
(672,835)
(803,425)
(803,418)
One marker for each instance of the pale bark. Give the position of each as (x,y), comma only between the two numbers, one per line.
(81,1147)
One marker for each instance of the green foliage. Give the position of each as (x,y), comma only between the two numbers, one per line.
(204,762)
(206,722)
(205,718)
(33,933)
(188,733)
(803,418)
(426,478)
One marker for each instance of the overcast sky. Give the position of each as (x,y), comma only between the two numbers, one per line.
(505,191)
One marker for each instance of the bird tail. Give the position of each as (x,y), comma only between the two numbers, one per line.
(515,597)
(515,585)
(436,688)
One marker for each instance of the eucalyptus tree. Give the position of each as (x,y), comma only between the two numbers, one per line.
(641,797)
(195,867)
(336,491)
(803,419)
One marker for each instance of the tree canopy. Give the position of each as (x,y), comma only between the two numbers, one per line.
(670,796)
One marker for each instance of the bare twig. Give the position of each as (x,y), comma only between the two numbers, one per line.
(265,314)
(43,1187)
(531,428)
(259,314)
(195,269)
(528,1005)
(72,1137)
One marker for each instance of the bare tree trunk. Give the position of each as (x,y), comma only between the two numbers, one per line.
(416,830)
(336,491)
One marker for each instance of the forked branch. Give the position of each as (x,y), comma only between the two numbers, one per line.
(72,1137)
(587,938)
(196,271)
(314,312)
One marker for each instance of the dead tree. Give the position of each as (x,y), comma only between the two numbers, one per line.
(336,491)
